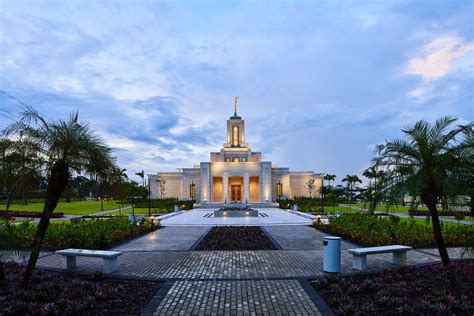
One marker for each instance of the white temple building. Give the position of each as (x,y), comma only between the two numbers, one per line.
(234,174)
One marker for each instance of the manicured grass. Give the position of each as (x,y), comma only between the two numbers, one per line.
(139,211)
(341,209)
(428,223)
(392,209)
(72,208)
(470,219)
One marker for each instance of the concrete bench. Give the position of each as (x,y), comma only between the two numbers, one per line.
(359,259)
(110,263)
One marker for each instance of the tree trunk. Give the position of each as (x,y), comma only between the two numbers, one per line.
(57,182)
(443,252)
(12,192)
(472,204)
(3,277)
(68,193)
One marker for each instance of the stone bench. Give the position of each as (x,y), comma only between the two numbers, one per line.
(359,259)
(110,263)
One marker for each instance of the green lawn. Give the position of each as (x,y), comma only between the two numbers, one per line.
(73,208)
(334,209)
(393,209)
(425,222)
(467,218)
(138,211)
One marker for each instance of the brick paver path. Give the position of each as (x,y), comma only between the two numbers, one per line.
(234,282)
(301,238)
(271,297)
(166,238)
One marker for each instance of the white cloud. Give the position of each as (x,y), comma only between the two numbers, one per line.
(438,56)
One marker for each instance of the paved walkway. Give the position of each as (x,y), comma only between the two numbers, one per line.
(272,282)
(268,217)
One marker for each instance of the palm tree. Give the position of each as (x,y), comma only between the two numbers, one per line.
(431,162)
(141,174)
(66,146)
(329,178)
(373,192)
(351,181)
(121,177)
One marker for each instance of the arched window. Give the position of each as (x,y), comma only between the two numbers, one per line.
(235,137)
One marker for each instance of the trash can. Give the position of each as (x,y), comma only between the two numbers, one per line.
(332,254)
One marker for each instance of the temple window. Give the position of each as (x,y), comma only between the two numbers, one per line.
(235,136)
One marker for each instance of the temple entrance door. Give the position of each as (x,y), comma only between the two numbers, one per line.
(236,193)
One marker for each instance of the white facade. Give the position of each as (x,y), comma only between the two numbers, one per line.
(235,174)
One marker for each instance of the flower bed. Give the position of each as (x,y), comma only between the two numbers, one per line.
(52,293)
(405,291)
(28,214)
(77,233)
(236,238)
(379,231)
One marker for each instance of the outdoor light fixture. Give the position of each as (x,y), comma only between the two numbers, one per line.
(225,213)
(279,188)
(192,190)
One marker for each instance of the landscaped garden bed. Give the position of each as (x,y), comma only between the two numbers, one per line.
(405,291)
(77,233)
(53,293)
(369,230)
(236,238)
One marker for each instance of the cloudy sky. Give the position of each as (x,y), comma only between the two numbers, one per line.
(320,82)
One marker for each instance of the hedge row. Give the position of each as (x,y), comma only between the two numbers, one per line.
(28,214)
(440,213)
(165,204)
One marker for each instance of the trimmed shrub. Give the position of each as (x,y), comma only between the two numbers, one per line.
(90,234)
(379,231)
(165,205)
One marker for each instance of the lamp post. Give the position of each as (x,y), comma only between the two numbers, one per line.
(279,189)
(149,197)
(322,195)
(192,190)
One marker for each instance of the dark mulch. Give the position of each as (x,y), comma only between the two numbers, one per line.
(404,291)
(54,293)
(236,238)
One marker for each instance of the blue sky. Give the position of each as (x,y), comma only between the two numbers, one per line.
(320,82)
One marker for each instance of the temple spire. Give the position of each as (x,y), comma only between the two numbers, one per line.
(235,105)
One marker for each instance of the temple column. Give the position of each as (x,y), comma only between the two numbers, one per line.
(206,182)
(246,188)
(225,187)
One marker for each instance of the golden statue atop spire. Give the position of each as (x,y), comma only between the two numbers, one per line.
(235,105)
